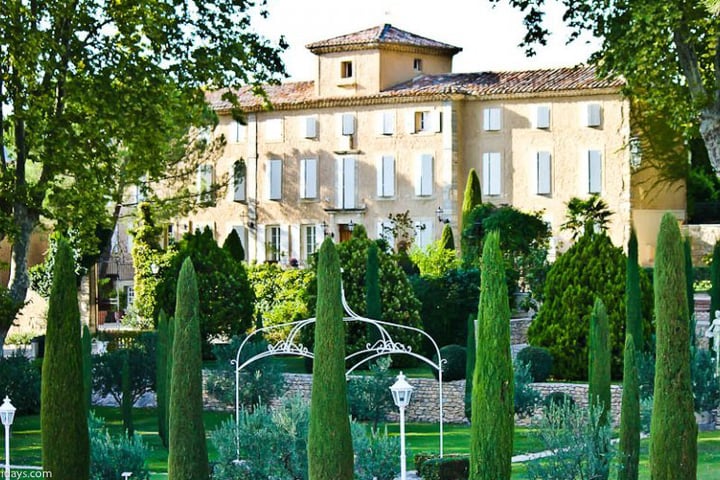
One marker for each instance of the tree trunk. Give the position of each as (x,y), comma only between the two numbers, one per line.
(710,132)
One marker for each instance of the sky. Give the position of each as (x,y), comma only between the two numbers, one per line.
(489,36)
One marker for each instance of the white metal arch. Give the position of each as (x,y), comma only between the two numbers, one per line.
(385,345)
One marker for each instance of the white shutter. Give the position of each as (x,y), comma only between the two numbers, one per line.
(423,236)
(387,123)
(543,117)
(204,182)
(492,170)
(544,173)
(238,132)
(348,124)
(594,171)
(284,253)
(386,176)
(308,178)
(274,129)
(594,115)
(348,183)
(239,175)
(294,251)
(435,121)
(261,245)
(310,127)
(410,122)
(492,119)
(424,180)
(275,179)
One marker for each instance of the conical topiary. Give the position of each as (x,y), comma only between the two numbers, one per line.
(493,416)
(471,198)
(63,410)
(330,451)
(187,455)
(633,308)
(599,361)
(161,357)
(168,376)
(233,245)
(469,365)
(447,240)
(629,449)
(673,430)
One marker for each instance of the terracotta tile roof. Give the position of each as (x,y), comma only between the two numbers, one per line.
(377,36)
(478,84)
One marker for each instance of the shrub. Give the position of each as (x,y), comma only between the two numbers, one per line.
(557,399)
(436,259)
(449,467)
(538,360)
(112,455)
(592,268)
(376,454)
(706,386)
(107,369)
(454,363)
(368,394)
(646,374)
(526,398)
(646,405)
(20,380)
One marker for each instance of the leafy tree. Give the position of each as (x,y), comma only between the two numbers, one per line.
(226,297)
(591,268)
(673,431)
(435,260)
(629,449)
(368,397)
(664,51)
(493,417)
(447,241)
(187,452)
(472,197)
(633,303)
(63,413)
(107,369)
(161,364)
(234,247)
(583,215)
(95,96)
(330,451)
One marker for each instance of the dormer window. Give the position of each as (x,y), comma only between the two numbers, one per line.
(417,64)
(346,69)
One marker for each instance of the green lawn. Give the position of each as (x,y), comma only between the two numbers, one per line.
(25,441)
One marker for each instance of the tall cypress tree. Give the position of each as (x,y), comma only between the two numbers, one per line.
(168,376)
(472,197)
(633,308)
(492,399)
(715,280)
(447,241)
(599,361)
(126,403)
(233,245)
(330,451)
(372,291)
(630,415)
(469,365)
(87,366)
(63,413)
(161,374)
(689,276)
(187,456)
(673,431)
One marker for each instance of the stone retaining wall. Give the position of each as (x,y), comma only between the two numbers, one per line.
(518,330)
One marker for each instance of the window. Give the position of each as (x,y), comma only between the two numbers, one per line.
(348,123)
(274,129)
(425,121)
(130,296)
(492,171)
(275,179)
(492,119)
(423,233)
(309,240)
(542,119)
(239,175)
(346,69)
(424,179)
(387,123)
(347,187)
(593,115)
(417,64)
(310,127)
(386,176)
(594,159)
(308,178)
(238,132)
(543,173)
(204,184)
(272,248)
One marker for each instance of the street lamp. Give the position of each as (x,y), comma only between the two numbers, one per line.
(7,415)
(401,392)
(439,213)
(154,268)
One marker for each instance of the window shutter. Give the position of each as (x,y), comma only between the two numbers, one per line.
(543,117)
(410,122)
(274,129)
(492,173)
(275,179)
(239,182)
(204,182)
(308,178)
(348,124)
(386,176)
(424,182)
(543,173)
(423,236)
(594,171)
(310,127)
(237,132)
(387,123)
(594,115)
(284,243)
(348,195)
(436,121)
(492,119)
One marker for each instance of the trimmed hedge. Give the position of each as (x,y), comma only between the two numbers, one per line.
(456,358)
(558,398)
(539,362)
(449,467)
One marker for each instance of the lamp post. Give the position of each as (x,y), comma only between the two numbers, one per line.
(154,268)
(7,415)
(401,392)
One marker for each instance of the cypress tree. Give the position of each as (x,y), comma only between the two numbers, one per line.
(633,308)
(689,278)
(447,241)
(63,414)
(472,197)
(330,451)
(372,291)
(715,280)
(233,245)
(629,448)
(87,366)
(492,397)
(673,430)
(168,376)
(127,403)
(599,361)
(161,358)
(187,456)
(469,365)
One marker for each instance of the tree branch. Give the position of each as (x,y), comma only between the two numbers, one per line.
(690,65)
